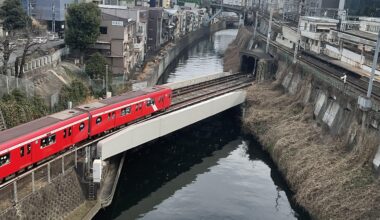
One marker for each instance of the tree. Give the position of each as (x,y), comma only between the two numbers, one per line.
(96,66)
(83,23)
(14,19)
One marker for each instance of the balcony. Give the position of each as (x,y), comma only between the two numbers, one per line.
(311,35)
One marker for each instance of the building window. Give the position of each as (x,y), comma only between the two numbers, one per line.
(103,30)
(4,159)
(45,142)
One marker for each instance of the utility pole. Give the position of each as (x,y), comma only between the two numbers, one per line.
(106,80)
(270,27)
(298,34)
(365,103)
(256,21)
(374,65)
(53,16)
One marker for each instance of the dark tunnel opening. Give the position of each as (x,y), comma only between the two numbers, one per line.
(248,65)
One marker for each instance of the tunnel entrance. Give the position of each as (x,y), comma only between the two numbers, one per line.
(248,64)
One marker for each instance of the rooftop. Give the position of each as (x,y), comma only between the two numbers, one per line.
(319,19)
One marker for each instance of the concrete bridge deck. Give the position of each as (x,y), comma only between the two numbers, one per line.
(141,133)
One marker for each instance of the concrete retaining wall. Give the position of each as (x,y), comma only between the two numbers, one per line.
(155,73)
(55,201)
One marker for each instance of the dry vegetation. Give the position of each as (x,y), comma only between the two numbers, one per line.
(329,180)
(232,56)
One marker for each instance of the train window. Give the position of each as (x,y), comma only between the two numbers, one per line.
(126,111)
(28,148)
(109,116)
(45,142)
(70,131)
(22,151)
(150,102)
(113,115)
(64,133)
(4,159)
(137,107)
(81,126)
(140,106)
(99,120)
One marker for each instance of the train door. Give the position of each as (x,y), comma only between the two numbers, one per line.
(23,155)
(80,132)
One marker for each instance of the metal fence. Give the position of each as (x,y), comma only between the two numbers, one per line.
(9,83)
(26,184)
(345,88)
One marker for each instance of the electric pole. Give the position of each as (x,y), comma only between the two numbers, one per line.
(53,16)
(298,34)
(270,27)
(374,65)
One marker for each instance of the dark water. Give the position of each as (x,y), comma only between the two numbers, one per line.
(209,170)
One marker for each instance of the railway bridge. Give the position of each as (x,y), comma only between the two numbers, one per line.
(98,162)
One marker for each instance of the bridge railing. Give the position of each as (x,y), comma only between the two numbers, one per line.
(26,184)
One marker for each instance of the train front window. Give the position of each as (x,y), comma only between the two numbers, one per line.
(4,159)
(22,151)
(45,142)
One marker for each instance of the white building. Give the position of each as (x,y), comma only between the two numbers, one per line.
(314,30)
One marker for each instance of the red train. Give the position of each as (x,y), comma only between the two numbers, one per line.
(25,145)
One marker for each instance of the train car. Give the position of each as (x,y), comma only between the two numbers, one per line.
(119,110)
(27,144)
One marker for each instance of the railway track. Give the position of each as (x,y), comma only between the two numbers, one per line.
(353,79)
(181,98)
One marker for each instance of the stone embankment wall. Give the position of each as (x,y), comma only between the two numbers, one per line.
(154,69)
(314,133)
(55,201)
(321,141)
(231,58)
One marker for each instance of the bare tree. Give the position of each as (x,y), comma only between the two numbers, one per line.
(6,49)
(29,47)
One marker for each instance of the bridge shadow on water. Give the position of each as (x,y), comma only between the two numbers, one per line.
(154,172)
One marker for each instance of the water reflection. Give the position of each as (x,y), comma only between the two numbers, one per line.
(205,171)
(205,58)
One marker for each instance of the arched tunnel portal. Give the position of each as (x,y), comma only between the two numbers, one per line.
(248,64)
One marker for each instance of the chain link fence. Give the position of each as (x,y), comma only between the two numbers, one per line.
(26,184)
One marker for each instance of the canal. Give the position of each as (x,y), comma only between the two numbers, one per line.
(209,170)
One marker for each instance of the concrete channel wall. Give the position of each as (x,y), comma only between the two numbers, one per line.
(172,53)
